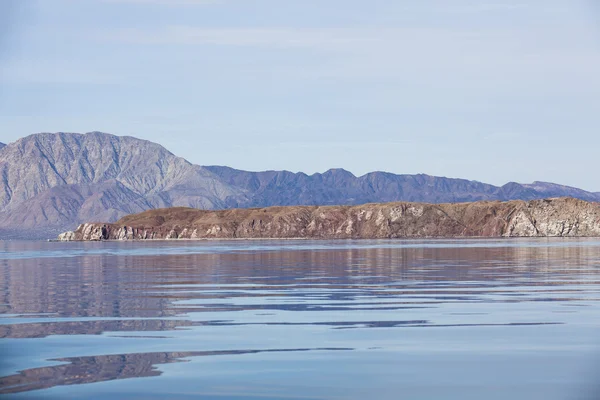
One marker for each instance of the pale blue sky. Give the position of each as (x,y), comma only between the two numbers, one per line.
(492,90)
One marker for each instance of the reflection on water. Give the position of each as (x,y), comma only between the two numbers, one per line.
(64,305)
(103,368)
(38,330)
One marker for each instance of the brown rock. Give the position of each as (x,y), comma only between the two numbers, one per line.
(536,218)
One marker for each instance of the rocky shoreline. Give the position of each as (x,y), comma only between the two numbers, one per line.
(557,217)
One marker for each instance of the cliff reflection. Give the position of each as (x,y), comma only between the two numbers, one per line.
(39,330)
(261,294)
(146,286)
(92,369)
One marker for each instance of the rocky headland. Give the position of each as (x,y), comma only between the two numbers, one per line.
(556,217)
(52,182)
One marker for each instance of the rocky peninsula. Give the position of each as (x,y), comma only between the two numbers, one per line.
(556,217)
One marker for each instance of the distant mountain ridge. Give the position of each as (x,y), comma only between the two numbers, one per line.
(51,182)
(338,186)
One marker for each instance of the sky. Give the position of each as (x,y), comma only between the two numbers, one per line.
(489,90)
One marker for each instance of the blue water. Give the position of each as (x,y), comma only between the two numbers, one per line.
(434,319)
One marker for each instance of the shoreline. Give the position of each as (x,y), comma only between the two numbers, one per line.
(458,238)
(557,217)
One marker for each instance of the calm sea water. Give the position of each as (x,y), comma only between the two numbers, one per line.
(436,319)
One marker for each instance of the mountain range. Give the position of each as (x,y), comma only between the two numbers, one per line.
(51,182)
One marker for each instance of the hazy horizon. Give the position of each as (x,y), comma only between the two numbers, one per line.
(493,91)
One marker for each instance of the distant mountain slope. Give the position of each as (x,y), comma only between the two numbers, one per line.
(51,182)
(2,145)
(338,186)
(553,190)
(57,180)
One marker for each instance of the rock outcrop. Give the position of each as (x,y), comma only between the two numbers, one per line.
(51,182)
(560,217)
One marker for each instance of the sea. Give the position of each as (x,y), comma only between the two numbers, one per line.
(301,319)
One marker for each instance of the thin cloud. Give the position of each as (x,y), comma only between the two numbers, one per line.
(466,8)
(481,56)
(501,6)
(253,37)
(54,72)
(167,2)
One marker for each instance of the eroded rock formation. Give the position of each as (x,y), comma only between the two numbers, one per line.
(537,218)
(51,182)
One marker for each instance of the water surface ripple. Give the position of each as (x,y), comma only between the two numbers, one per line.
(389,319)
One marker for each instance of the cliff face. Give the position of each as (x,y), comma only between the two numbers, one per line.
(551,217)
(50,182)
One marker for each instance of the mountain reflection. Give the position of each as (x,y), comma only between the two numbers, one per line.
(112,285)
(39,330)
(109,367)
(252,295)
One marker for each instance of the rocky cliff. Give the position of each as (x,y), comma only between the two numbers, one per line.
(551,217)
(51,182)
